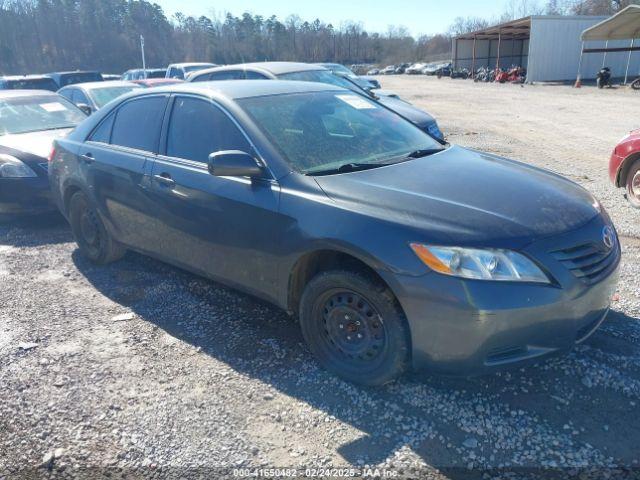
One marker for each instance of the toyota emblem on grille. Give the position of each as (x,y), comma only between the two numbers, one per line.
(608,237)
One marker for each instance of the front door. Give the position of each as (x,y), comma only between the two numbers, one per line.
(227,228)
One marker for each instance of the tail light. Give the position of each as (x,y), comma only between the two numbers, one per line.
(52,154)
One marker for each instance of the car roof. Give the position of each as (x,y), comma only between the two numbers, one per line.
(237,89)
(104,84)
(24,93)
(23,77)
(74,72)
(190,64)
(275,68)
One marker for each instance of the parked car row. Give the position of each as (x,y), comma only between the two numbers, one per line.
(441,69)
(339,204)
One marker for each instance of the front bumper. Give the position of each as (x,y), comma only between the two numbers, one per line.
(471,327)
(20,196)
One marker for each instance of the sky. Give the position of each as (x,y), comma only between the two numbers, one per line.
(419,16)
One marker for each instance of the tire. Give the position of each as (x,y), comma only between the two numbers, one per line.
(355,327)
(92,238)
(636,84)
(632,184)
(599,83)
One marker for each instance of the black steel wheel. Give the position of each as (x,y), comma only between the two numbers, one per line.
(89,232)
(355,327)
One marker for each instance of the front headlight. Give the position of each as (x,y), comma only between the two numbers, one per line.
(11,167)
(480,264)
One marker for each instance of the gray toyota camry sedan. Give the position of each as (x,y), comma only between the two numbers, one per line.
(393,250)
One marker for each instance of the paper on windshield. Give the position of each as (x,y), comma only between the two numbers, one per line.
(53,107)
(356,102)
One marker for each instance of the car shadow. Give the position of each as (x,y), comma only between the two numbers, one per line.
(35,230)
(572,409)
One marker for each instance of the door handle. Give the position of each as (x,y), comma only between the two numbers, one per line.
(165,179)
(87,157)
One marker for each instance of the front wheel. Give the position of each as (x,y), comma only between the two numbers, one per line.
(90,234)
(636,84)
(355,327)
(599,83)
(633,184)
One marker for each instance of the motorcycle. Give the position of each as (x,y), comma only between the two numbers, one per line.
(603,78)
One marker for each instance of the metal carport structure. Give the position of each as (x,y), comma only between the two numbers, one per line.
(624,25)
(494,46)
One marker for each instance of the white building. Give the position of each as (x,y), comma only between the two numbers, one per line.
(547,46)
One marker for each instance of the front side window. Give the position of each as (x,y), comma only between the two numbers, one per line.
(317,131)
(79,97)
(137,123)
(37,113)
(198,128)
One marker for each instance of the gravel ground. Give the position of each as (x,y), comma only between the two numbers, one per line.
(140,369)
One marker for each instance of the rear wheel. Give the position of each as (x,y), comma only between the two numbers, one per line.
(633,184)
(355,327)
(636,84)
(90,234)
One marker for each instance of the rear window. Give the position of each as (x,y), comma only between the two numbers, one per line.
(137,123)
(156,73)
(38,113)
(73,78)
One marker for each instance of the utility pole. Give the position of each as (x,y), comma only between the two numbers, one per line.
(144,65)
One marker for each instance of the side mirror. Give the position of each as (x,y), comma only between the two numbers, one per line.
(234,163)
(85,108)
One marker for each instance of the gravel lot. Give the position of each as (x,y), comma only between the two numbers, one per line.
(142,369)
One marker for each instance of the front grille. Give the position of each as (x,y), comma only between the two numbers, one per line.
(589,262)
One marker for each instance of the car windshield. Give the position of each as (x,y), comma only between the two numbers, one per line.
(319,131)
(336,67)
(318,76)
(102,96)
(42,112)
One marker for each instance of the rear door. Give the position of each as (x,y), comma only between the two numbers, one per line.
(224,227)
(117,159)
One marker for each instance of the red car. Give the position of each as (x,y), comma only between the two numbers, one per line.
(624,166)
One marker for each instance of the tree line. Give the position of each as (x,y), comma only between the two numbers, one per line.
(49,35)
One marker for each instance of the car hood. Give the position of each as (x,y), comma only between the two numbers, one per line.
(408,111)
(464,197)
(35,143)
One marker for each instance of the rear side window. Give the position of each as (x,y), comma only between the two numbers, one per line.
(102,134)
(198,128)
(250,75)
(137,123)
(227,75)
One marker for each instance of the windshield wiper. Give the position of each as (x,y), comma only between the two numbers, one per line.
(423,153)
(348,167)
